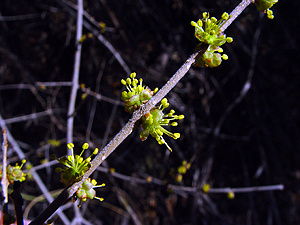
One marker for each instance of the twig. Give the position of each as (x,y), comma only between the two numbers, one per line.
(41,166)
(94,102)
(20,17)
(235,13)
(100,97)
(75,81)
(4,181)
(122,199)
(18,201)
(39,84)
(278,187)
(54,84)
(31,116)
(122,176)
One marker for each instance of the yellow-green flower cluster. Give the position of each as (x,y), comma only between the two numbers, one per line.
(136,93)
(14,173)
(153,123)
(185,166)
(212,57)
(265,5)
(76,166)
(207,31)
(86,191)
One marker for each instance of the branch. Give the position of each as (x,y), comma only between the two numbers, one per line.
(235,13)
(4,181)
(18,201)
(277,187)
(127,129)
(75,81)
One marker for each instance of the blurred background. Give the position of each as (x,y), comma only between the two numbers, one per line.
(231,136)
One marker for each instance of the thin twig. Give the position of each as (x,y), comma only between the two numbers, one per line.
(100,97)
(122,199)
(31,116)
(4,181)
(38,84)
(54,84)
(94,102)
(235,13)
(18,201)
(277,187)
(20,17)
(75,80)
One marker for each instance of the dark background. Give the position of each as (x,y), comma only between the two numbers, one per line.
(258,141)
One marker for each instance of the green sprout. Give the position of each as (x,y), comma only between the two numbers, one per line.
(154,121)
(14,173)
(75,165)
(86,191)
(136,93)
(265,5)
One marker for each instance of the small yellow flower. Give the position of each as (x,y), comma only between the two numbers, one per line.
(206,188)
(230,195)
